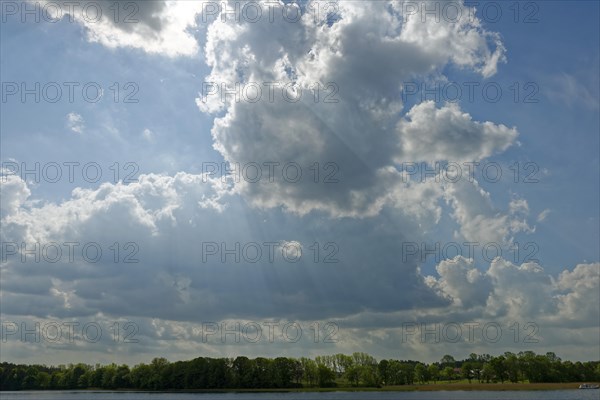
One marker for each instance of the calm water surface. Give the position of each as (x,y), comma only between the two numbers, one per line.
(453,395)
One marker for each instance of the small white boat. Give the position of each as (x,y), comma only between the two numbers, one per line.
(588,386)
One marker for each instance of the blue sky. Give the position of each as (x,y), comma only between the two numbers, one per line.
(366,220)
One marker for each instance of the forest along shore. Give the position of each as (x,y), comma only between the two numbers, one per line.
(359,371)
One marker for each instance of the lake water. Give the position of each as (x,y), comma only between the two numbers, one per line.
(452,395)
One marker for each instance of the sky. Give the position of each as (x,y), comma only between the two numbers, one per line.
(200,178)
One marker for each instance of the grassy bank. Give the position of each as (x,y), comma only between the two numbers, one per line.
(486,386)
(465,386)
(455,386)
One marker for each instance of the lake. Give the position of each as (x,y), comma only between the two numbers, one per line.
(441,395)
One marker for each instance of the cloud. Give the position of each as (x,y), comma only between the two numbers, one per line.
(166,222)
(344,154)
(520,307)
(369,293)
(148,135)
(156,27)
(579,290)
(75,122)
(359,61)
(351,204)
(461,282)
(543,215)
(14,194)
(428,133)
(576,89)
(520,292)
(479,220)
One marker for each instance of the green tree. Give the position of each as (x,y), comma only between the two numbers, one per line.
(487,372)
(283,372)
(529,366)
(43,380)
(326,376)
(360,369)
(466,371)
(383,371)
(121,379)
(421,373)
(408,373)
(342,362)
(448,373)
(242,372)
(434,372)
(368,375)
(511,366)
(448,361)
(353,375)
(499,367)
(310,371)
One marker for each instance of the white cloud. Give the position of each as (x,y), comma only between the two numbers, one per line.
(430,134)
(575,89)
(14,193)
(170,292)
(531,309)
(159,27)
(579,291)
(367,54)
(462,282)
(479,220)
(521,292)
(169,218)
(75,122)
(543,215)
(148,135)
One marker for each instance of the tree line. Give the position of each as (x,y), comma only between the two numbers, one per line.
(356,370)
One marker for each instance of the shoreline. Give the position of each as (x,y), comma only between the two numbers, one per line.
(434,387)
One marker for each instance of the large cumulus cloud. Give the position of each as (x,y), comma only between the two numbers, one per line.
(365,54)
(169,218)
(370,294)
